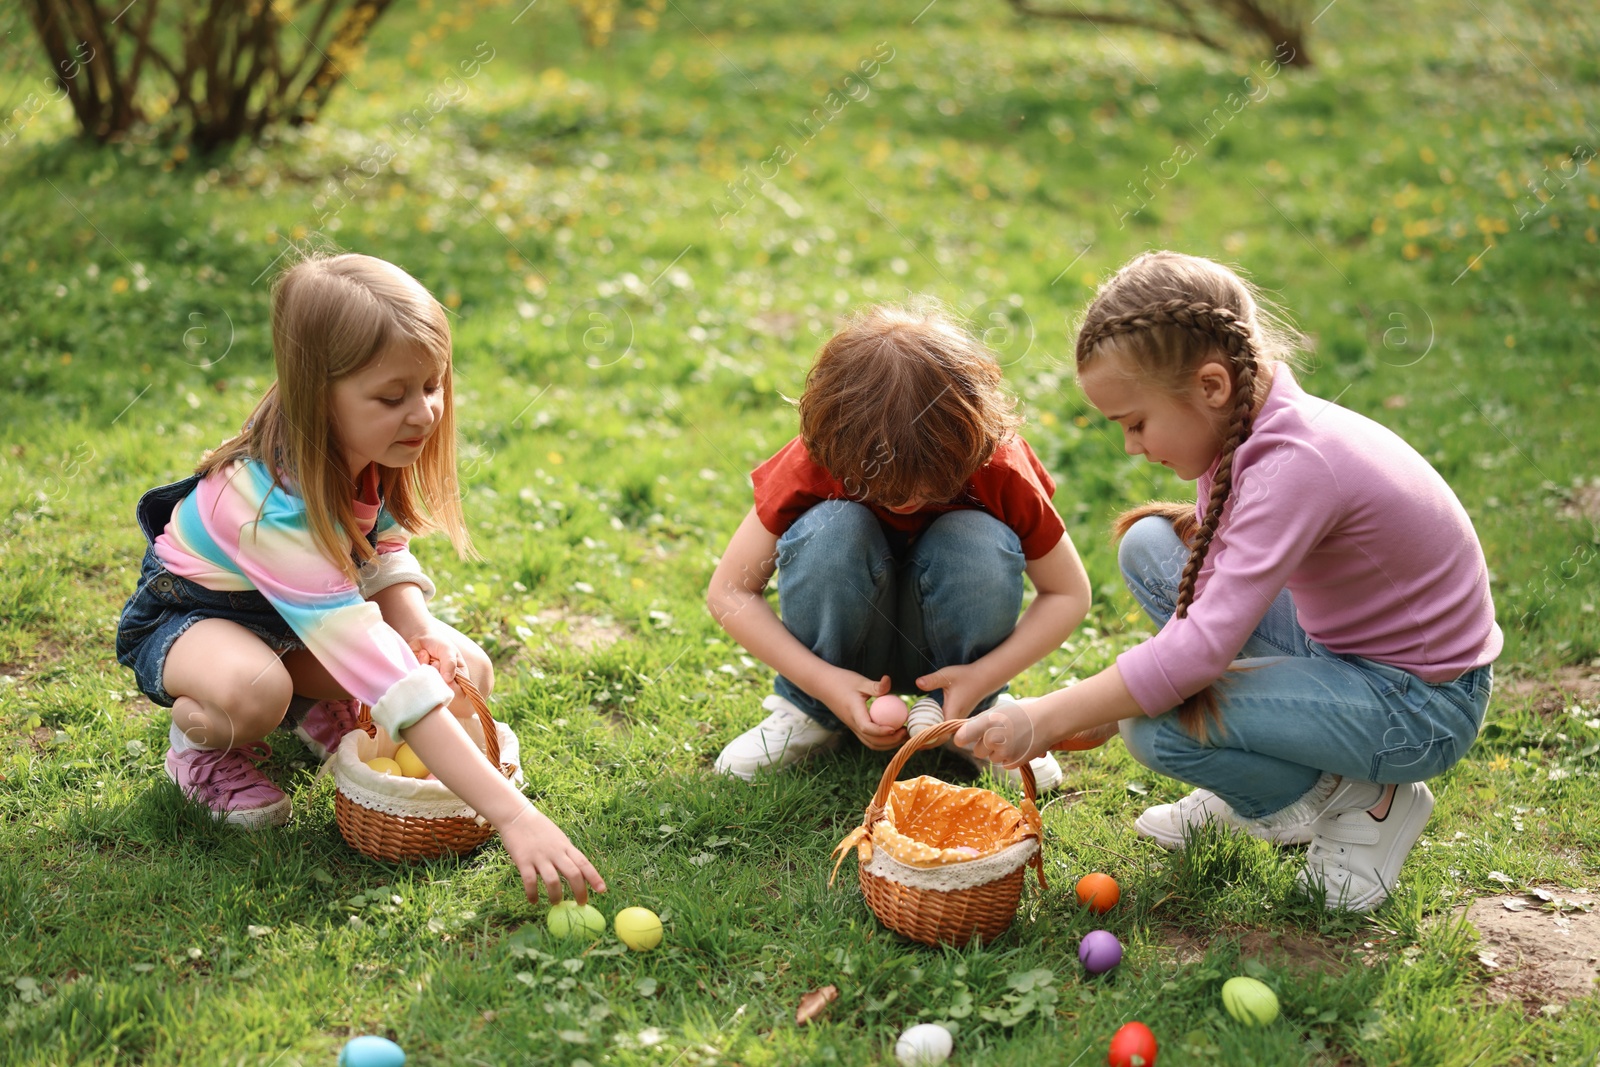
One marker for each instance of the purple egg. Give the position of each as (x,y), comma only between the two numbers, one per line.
(1099,951)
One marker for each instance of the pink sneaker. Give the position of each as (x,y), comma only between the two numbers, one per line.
(229,783)
(324,725)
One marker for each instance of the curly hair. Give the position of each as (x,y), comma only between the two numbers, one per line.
(904,404)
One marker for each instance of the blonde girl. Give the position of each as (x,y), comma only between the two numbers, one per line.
(1326,629)
(280,569)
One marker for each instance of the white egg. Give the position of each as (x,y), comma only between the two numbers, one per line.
(924,1045)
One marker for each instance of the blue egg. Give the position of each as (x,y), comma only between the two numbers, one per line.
(369,1051)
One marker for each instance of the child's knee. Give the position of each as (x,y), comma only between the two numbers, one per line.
(266,699)
(479,667)
(838,521)
(1136,737)
(1151,550)
(978,540)
(973,562)
(837,534)
(252,705)
(1151,740)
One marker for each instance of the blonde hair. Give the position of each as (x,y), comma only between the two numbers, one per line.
(1167,314)
(903,402)
(331,316)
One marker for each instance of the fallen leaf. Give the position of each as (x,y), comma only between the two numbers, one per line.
(1511,904)
(814,1002)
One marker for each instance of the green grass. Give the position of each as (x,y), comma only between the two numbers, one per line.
(604,460)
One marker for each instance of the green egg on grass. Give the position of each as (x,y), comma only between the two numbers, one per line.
(570,919)
(1249,1001)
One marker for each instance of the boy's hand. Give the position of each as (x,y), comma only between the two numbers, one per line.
(543,853)
(963,689)
(847,695)
(1004,734)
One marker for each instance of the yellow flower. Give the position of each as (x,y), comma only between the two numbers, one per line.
(120,285)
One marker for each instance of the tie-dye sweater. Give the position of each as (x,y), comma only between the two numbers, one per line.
(216,539)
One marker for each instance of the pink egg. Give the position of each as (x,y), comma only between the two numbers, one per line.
(888,711)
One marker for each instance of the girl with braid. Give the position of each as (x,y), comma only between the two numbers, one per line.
(1326,629)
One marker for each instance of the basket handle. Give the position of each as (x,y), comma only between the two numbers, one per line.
(491,736)
(480,707)
(932,737)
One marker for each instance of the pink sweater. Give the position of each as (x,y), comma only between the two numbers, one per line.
(1378,553)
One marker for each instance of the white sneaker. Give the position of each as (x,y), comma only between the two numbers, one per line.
(1168,825)
(785,737)
(1356,858)
(1046,771)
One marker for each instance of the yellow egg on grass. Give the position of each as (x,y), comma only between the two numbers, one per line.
(410,765)
(1249,1001)
(638,928)
(385,765)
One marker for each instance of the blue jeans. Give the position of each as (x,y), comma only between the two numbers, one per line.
(951,598)
(1299,710)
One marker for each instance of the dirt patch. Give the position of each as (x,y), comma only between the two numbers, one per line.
(1287,951)
(775,323)
(1584,503)
(586,633)
(1553,692)
(1540,952)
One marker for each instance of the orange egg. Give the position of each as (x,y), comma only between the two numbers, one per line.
(1098,892)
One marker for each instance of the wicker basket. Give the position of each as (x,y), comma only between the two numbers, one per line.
(398,819)
(912,874)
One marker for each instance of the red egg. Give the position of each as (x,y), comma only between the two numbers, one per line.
(1098,892)
(1132,1046)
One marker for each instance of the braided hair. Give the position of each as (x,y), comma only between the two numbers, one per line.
(1171,313)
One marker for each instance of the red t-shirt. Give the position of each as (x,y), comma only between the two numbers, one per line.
(1013,487)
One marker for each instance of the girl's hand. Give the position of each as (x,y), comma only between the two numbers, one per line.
(847,693)
(436,646)
(1087,739)
(963,689)
(1005,734)
(543,853)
